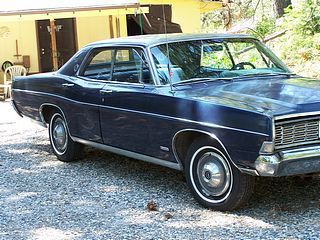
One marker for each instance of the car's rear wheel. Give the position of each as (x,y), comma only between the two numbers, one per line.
(214,181)
(63,146)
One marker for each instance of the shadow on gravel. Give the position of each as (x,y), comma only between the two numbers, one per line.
(271,198)
(286,194)
(8,149)
(104,191)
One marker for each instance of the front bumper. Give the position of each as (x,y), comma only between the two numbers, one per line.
(289,162)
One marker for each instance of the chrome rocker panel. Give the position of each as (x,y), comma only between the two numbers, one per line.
(126,153)
(289,162)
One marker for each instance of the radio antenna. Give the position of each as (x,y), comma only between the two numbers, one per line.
(167,46)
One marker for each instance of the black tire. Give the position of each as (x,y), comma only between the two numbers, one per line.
(62,145)
(213,179)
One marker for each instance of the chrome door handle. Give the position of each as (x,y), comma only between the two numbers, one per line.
(67,84)
(106,91)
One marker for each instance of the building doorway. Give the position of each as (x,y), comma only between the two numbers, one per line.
(152,22)
(58,47)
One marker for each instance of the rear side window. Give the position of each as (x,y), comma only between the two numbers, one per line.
(99,64)
(126,65)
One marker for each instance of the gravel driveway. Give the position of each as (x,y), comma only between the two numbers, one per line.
(104,196)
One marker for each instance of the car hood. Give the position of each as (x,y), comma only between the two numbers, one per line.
(270,96)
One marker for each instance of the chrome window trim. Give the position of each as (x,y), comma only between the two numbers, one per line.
(114,47)
(202,38)
(154,73)
(147,113)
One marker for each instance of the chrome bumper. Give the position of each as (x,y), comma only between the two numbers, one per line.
(13,104)
(290,162)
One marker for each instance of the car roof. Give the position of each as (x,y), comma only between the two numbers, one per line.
(154,39)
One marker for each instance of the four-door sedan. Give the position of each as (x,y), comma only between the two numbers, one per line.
(221,108)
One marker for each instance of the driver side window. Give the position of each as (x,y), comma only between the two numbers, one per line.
(130,66)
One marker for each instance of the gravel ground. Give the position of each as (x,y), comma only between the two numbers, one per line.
(104,196)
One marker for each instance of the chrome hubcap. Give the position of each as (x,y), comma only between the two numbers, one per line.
(214,174)
(59,135)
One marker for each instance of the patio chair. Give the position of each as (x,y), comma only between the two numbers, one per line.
(12,72)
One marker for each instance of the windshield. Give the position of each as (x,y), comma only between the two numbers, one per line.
(223,58)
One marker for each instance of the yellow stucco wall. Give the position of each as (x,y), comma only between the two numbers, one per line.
(91,29)
(184,12)
(91,26)
(25,33)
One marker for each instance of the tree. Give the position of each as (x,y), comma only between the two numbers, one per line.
(279,6)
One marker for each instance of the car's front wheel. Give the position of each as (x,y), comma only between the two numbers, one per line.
(63,146)
(214,181)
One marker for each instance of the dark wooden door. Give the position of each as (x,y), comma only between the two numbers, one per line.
(45,48)
(65,42)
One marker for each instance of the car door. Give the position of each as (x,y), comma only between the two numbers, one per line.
(84,90)
(125,122)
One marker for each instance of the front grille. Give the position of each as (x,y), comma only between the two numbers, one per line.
(296,132)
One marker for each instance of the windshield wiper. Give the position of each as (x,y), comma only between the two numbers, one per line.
(266,74)
(204,79)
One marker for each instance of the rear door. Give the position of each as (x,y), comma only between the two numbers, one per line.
(84,90)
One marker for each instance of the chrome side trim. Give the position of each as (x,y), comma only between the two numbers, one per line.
(146,113)
(305,114)
(130,154)
(249,171)
(211,135)
(64,116)
(297,144)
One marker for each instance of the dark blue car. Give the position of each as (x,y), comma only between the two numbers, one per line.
(221,108)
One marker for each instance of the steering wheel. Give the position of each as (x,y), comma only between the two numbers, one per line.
(240,65)
(199,72)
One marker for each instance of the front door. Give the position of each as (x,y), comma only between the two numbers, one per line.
(65,43)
